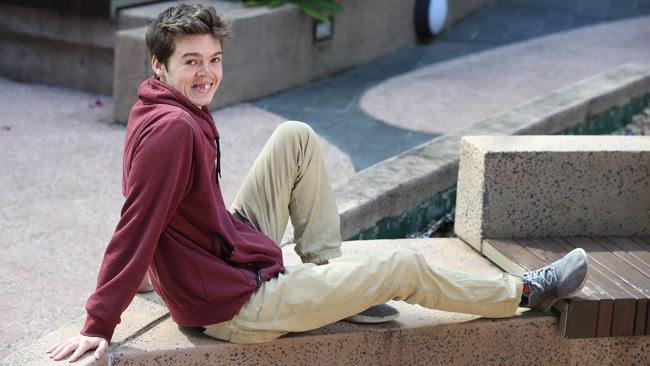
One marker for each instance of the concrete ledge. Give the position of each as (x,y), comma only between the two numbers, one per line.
(551,186)
(389,198)
(137,328)
(138,317)
(418,337)
(527,339)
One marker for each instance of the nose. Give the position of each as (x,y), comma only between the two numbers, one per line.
(203,70)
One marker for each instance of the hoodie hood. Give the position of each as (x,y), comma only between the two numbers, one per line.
(153,91)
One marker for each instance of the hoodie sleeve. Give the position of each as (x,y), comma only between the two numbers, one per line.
(158,179)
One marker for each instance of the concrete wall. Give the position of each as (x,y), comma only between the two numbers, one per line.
(549,186)
(273,49)
(40,45)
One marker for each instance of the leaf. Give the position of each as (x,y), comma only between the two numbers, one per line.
(328,5)
(254,3)
(276,3)
(311,10)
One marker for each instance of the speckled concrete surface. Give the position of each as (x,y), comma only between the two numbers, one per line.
(60,196)
(395,186)
(547,186)
(417,337)
(448,96)
(524,340)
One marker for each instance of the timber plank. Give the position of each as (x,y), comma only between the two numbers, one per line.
(587,318)
(514,257)
(615,265)
(628,256)
(510,255)
(644,241)
(616,297)
(638,257)
(633,246)
(616,316)
(641,317)
(605,315)
(622,276)
(647,322)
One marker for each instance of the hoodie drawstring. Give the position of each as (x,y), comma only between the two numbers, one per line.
(218,175)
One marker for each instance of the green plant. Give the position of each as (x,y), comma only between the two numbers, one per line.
(318,9)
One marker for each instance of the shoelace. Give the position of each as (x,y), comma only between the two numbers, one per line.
(541,278)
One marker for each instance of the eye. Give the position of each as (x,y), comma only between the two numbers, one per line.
(215,60)
(190,62)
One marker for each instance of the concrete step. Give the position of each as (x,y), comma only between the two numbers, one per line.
(272,49)
(418,336)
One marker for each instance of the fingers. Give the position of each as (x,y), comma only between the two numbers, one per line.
(78,345)
(64,350)
(53,347)
(56,349)
(84,346)
(102,349)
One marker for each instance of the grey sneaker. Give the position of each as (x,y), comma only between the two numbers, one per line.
(375,314)
(559,280)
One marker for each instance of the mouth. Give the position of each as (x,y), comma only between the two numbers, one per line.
(202,87)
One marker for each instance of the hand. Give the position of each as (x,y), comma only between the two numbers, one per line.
(78,344)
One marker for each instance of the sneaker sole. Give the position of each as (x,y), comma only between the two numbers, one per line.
(582,284)
(363,319)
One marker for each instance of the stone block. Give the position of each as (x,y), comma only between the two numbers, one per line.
(392,189)
(132,66)
(548,186)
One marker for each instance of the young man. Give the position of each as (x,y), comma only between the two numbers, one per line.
(223,271)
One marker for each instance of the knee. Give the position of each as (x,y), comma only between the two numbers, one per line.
(404,256)
(294,129)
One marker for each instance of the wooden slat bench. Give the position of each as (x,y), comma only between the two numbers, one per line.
(525,201)
(614,301)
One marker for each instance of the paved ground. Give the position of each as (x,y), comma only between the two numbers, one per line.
(448,96)
(333,105)
(60,168)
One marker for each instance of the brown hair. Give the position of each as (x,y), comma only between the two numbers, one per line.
(183,19)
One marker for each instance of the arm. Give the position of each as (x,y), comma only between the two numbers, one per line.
(157,182)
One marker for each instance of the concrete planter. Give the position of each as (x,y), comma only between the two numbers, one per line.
(402,194)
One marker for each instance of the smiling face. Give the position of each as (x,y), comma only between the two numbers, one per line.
(194,68)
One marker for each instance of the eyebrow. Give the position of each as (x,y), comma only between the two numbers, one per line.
(196,54)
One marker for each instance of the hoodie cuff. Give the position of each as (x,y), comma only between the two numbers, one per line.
(96,327)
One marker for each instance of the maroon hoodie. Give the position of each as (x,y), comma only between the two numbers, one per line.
(204,262)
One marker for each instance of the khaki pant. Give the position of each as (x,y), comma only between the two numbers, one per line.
(289,179)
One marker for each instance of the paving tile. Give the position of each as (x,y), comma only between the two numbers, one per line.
(599,8)
(381,140)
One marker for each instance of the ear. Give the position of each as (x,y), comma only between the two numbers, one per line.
(158,68)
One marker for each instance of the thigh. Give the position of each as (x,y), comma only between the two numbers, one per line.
(307,296)
(264,197)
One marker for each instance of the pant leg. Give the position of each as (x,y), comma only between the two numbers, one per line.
(288,179)
(307,296)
